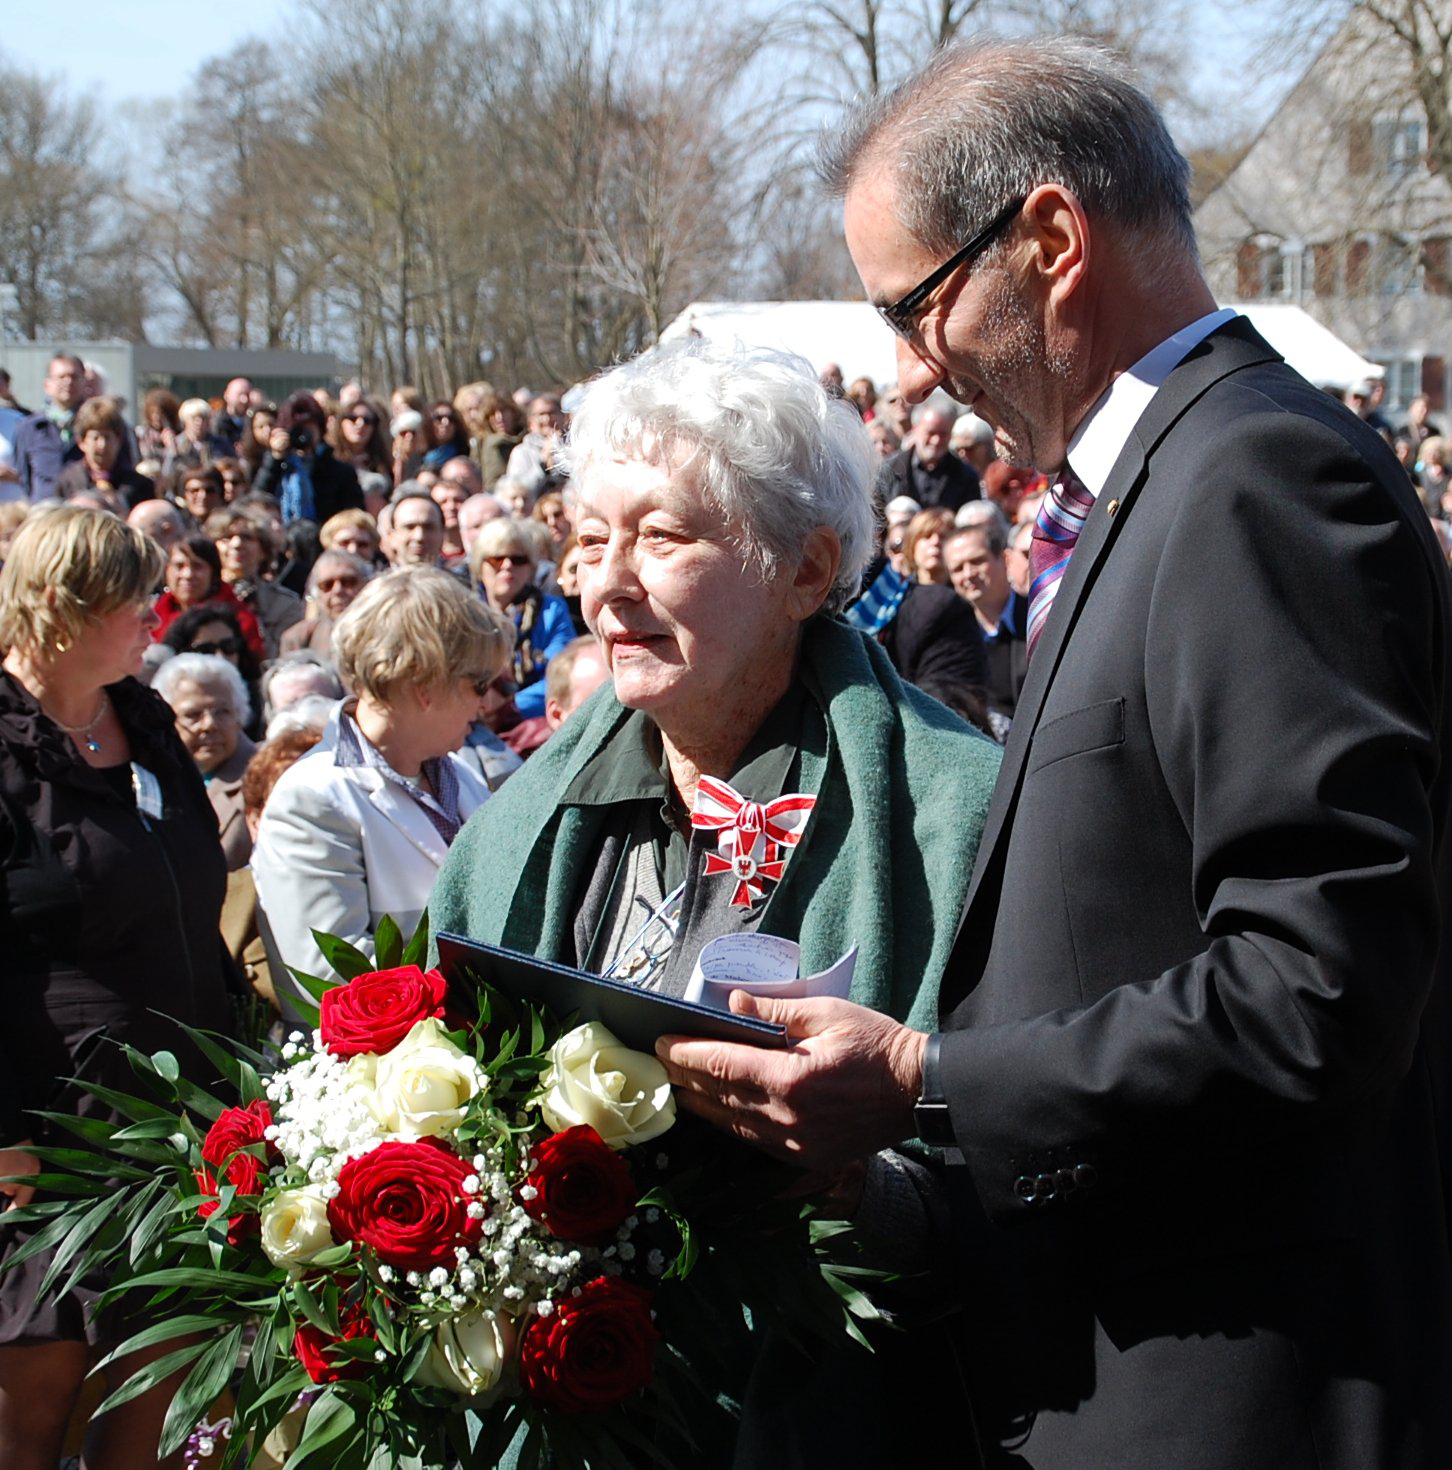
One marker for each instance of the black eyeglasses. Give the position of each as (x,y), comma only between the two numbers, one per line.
(442,418)
(362,418)
(902,315)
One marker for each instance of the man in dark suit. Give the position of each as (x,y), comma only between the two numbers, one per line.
(1193,1075)
(926,471)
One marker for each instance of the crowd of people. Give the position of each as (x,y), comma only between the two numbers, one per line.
(467,656)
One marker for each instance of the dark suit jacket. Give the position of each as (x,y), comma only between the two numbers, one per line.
(935,641)
(957,483)
(1191,1060)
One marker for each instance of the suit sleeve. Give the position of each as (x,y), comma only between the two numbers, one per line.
(1294,679)
(308,868)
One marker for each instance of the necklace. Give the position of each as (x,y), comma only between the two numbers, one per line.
(92,744)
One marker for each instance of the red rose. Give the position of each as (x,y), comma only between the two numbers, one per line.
(582,1188)
(236,1128)
(312,1347)
(376,1011)
(592,1351)
(406,1201)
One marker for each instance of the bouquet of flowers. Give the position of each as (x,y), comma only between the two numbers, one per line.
(443,1233)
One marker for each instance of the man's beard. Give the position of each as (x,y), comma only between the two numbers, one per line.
(1016,374)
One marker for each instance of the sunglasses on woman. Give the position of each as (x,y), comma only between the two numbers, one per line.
(223,646)
(515,559)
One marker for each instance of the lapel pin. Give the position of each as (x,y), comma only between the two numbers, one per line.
(1111,507)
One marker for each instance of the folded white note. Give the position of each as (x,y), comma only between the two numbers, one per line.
(763,965)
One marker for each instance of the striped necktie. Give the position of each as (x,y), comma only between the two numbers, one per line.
(1061,517)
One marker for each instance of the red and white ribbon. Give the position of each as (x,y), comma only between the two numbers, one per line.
(755,837)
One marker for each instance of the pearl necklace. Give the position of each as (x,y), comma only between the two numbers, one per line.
(91,743)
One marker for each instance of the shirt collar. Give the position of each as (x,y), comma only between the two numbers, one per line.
(1098,441)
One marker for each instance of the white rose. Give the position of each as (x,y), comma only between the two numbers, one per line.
(422,1087)
(468,1354)
(623,1095)
(295,1227)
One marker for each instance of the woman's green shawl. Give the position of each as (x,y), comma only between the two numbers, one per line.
(884,861)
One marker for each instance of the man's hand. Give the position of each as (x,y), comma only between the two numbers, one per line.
(18,1160)
(844,1089)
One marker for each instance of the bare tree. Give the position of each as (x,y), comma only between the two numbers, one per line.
(49,192)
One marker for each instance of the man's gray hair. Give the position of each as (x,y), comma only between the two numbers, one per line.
(937,407)
(984,517)
(768,445)
(207,671)
(987,121)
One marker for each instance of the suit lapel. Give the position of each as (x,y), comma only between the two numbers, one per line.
(407,816)
(1235,346)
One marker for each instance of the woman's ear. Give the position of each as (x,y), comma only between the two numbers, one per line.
(816,571)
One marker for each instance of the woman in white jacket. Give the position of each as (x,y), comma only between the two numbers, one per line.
(359,827)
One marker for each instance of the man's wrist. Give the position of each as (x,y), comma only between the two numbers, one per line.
(930,1112)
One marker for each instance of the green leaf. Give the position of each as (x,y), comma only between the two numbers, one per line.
(308,1013)
(115,1227)
(156,1128)
(160,1332)
(417,949)
(217,1282)
(335,1256)
(330,1419)
(139,1109)
(202,1385)
(166,1065)
(153,1373)
(387,943)
(152,1226)
(347,959)
(316,1311)
(314,985)
(76,1238)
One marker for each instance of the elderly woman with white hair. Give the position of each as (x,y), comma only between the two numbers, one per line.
(359,827)
(212,710)
(724,515)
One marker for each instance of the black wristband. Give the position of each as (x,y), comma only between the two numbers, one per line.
(931,1110)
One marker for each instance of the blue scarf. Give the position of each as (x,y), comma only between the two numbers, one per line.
(878,606)
(297,490)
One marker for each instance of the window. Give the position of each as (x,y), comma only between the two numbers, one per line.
(1400,144)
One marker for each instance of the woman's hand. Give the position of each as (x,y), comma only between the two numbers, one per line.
(280,443)
(18,1160)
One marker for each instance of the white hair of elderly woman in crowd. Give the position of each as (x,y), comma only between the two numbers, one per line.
(359,827)
(209,699)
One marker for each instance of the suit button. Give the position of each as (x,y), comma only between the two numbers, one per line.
(1023,1187)
(1086,1176)
(1044,1186)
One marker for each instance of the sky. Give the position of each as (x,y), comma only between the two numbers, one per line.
(115,50)
(144,51)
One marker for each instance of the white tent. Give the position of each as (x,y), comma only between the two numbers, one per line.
(851,334)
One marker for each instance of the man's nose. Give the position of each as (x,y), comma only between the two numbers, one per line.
(918,373)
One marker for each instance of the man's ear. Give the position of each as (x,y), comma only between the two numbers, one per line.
(1059,230)
(815,573)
